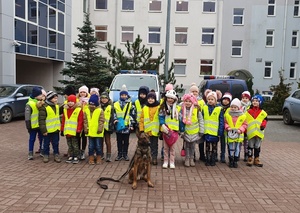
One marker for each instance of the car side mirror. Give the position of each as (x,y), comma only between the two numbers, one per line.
(19,95)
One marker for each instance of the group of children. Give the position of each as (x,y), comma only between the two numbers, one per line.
(92,116)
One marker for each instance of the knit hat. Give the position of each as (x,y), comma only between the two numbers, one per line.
(259,98)
(216,94)
(194,87)
(187,119)
(72,98)
(44,92)
(143,90)
(69,90)
(227,95)
(151,95)
(50,95)
(94,90)
(171,94)
(190,97)
(36,91)
(104,95)
(168,87)
(124,90)
(94,100)
(84,89)
(236,102)
(246,94)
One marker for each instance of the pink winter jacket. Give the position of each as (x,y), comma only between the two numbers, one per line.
(243,128)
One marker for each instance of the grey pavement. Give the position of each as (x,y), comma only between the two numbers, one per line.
(33,186)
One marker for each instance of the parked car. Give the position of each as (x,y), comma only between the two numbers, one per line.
(13,98)
(291,108)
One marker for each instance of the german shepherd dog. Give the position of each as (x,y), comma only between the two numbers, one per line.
(141,168)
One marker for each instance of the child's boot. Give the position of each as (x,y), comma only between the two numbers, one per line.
(187,162)
(213,159)
(235,162)
(99,160)
(92,160)
(46,159)
(230,162)
(57,158)
(250,161)
(192,162)
(257,162)
(245,157)
(108,157)
(30,155)
(82,156)
(207,163)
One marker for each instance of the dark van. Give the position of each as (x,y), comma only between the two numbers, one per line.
(224,84)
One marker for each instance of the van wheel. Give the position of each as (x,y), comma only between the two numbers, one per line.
(5,115)
(287,119)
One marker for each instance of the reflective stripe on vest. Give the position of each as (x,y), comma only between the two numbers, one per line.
(194,127)
(34,117)
(72,122)
(201,103)
(107,114)
(172,123)
(254,125)
(93,122)
(239,122)
(52,119)
(151,126)
(211,122)
(120,113)
(138,110)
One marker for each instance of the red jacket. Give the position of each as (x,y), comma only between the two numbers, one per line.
(80,120)
(254,112)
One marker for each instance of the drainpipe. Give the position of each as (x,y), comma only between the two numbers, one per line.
(218,33)
(284,37)
(167,45)
(116,22)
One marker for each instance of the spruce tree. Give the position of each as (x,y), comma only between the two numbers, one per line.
(88,66)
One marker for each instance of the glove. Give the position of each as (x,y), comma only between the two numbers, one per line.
(165,129)
(262,128)
(62,133)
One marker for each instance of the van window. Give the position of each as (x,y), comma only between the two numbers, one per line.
(237,90)
(222,87)
(134,82)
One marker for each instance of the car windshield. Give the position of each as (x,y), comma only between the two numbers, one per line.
(7,90)
(133,83)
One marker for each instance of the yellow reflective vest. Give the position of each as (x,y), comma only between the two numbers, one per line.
(71,123)
(201,103)
(107,114)
(138,110)
(239,122)
(211,121)
(253,128)
(52,119)
(34,117)
(172,123)
(151,126)
(93,122)
(120,113)
(193,128)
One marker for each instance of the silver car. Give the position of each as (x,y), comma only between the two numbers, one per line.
(13,98)
(291,108)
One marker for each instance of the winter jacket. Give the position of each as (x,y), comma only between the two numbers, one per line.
(152,111)
(254,112)
(43,115)
(69,113)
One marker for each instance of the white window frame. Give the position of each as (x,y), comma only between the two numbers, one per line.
(235,46)
(127,30)
(268,66)
(127,9)
(101,31)
(153,31)
(106,3)
(270,37)
(272,4)
(180,63)
(295,38)
(297,8)
(181,35)
(181,4)
(240,16)
(293,69)
(209,2)
(154,3)
(208,34)
(208,65)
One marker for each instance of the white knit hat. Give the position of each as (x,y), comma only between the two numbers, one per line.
(95,90)
(84,89)
(246,94)
(171,94)
(236,102)
(194,87)
(227,95)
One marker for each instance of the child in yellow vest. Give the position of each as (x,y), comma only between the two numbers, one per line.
(235,126)
(93,128)
(246,103)
(169,119)
(192,124)
(140,102)
(213,125)
(149,124)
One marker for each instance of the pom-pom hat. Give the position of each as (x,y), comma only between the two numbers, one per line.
(194,87)
(236,102)
(94,90)
(246,94)
(169,87)
(84,89)
(124,90)
(190,97)
(171,94)
(227,95)
(94,100)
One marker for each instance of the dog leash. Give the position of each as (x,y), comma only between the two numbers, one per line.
(104,186)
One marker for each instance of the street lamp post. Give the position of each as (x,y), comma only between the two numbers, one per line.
(167,45)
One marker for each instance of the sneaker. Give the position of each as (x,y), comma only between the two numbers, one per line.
(56,158)
(126,158)
(118,158)
(165,165)
(69,160)
(75,161)
(42,153)
(192,163)
(172,166)
(46,159)
(30,156)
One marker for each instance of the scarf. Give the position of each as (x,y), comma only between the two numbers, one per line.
(187,114)
(171,110)
(156,103)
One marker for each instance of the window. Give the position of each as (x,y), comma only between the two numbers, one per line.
(179,66)
(43,15)
(20,8)
(238,16)
(101,33)
(206,66)
(52,39)
(295,34)
(155,5)
(31,34)
(268,69)
(61,22)
(236,48)
(127,34)
(182,6)
(293,70)
(127,4)
(271,8)
(208,35)
(101,4)
(32,10)
(209,6)
(270,38)
(296,8)
(52,18)
(180,35)
(154,35)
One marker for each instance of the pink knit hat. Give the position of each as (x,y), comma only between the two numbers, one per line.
(84,89)
(190,97)
(168,87)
